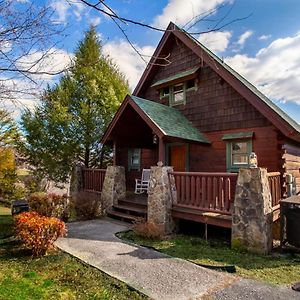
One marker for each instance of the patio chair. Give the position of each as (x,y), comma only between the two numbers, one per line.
(141,185)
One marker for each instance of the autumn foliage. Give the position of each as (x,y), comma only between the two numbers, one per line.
(50,205)
(38,233)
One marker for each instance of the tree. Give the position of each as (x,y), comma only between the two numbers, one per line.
(8,138)
(8,129)
(68,124)
(28,41)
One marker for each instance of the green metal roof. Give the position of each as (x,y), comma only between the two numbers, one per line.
(169,120)
(176,76)
(249,85)
(237,135)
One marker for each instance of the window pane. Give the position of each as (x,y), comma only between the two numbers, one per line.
(178,96)
(240,147)
(165,91)
(178,88)
(240,159)
(190,84)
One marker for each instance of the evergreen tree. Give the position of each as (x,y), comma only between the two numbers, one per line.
(68,124)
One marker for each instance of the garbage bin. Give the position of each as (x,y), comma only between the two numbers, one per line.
(19,206)
(290,220)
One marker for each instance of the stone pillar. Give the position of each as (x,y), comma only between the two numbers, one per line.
(252,212)
(76,182)
(160,198)
(114,187)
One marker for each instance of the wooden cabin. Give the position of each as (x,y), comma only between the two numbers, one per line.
(197,114)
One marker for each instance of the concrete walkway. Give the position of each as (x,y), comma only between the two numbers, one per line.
(155,274)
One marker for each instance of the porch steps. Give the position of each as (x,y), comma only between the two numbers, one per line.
(128,210)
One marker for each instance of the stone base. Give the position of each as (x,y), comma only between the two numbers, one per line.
(160,199)
(114,187)
(252,214)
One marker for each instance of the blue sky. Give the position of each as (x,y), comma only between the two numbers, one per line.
(265,47)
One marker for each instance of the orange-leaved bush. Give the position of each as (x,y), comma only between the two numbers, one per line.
(37,232)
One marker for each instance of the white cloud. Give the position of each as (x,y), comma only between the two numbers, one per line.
(243,37)
(61,8)
(95,21)
(216,41)
(19,93)
(264,37)
(180,12)
(275,70)
(127,59)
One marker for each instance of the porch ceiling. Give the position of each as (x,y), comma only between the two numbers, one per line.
(139,119)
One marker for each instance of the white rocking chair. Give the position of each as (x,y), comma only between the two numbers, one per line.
(142,185)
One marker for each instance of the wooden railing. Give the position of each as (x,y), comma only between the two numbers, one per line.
(275,187)
(212,192)
(93,179)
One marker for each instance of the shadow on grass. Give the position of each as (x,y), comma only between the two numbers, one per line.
(6,225)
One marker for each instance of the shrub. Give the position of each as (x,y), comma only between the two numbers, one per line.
(147,229)
(38,233)
(50,205)
(87,205)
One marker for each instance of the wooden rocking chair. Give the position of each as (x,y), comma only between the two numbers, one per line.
(141,185)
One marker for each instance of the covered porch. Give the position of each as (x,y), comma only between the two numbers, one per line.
(144,133)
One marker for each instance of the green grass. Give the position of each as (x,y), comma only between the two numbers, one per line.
(5,222)
(56,276)
(275,268)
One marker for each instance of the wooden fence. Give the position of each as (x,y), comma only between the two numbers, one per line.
(275,187)
(93,180)
(212,192)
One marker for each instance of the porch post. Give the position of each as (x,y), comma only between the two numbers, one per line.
(161,151)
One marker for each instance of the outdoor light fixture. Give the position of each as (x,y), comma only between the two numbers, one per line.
(253,160)
(155,139)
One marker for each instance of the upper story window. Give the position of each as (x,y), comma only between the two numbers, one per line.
(177,93)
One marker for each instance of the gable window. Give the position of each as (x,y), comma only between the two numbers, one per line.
(238,149)
(134,159)
(177,92)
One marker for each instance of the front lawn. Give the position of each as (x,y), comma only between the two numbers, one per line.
(55,276)
(275,268)
(5,222)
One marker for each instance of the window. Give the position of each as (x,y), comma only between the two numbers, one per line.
(134,159)
(238,152)
(177,92)
(165,92)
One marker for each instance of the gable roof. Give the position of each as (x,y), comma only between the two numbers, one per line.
(164,120)
(289,127)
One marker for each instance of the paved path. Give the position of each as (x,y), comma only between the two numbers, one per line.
(155,274)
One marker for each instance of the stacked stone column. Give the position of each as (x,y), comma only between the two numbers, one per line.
(252,217)
(161,193)
(114,187)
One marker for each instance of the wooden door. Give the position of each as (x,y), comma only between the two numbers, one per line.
(178,157)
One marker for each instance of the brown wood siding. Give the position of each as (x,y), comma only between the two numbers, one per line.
(215,105)
(291,162)
(212,158)
(149,157)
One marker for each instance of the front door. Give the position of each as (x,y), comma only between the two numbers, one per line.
(177,158)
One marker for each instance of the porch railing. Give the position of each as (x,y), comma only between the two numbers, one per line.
(275,187)
(93,180)
(212,192)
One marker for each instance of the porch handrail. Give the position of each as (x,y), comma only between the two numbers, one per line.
(274,179)
(93,179)
(205,191)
